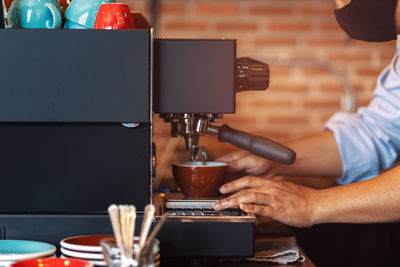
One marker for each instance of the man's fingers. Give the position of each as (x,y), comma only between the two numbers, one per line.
(237,161)
(241,164)
(265,211)
(231,156)
(243,183)
(243,197)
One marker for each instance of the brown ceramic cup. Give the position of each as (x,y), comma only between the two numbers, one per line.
(199,179)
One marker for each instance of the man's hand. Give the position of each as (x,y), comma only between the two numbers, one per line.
(242,163)
(281,201)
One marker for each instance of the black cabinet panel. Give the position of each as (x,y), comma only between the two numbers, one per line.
(73,167)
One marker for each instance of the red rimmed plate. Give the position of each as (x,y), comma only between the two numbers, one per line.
(52,262)
(87,243)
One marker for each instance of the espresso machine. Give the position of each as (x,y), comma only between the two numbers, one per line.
(76,132)
(195,83)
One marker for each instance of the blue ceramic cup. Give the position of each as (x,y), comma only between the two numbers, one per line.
(35,14)
(83,12)
(72,25)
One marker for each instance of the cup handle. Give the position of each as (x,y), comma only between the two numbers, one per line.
(55,12)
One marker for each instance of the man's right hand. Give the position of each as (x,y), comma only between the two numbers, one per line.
(317,156)
(242,163)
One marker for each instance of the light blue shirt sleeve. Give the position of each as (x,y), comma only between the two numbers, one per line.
(369,140)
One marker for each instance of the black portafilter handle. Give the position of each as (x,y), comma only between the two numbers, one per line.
(260,146)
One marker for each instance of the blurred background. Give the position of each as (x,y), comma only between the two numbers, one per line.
(316,69)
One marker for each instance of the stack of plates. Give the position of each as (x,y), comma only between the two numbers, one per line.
(85,248)
(16,250)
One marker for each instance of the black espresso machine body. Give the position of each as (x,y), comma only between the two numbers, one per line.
(76,132)
(192,78)
(65,153)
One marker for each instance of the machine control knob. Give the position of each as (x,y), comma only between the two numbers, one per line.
(251,74)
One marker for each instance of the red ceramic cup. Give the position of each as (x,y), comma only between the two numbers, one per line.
(114,16)
(199,179)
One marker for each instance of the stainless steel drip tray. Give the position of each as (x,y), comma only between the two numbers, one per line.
(194,228)
(213,218)
(190,203)
(201,210)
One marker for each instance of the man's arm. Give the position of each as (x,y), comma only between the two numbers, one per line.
(316,156)
(374,200)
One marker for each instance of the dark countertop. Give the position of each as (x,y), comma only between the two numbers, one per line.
(237,262)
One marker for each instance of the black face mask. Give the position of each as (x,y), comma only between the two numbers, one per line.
(369,20)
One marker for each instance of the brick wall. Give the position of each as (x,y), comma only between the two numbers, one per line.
(305,48)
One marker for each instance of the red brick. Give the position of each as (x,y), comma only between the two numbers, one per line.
(171,9)
(289,119)
(331,88)
(358,87)
(315,71)
(266,103)
(243,119)
(217,9)
(348,57)
(293,88)
(186,26)
(320,103)
(329,26)
(327,42)
(237,26)
(275,41)
(241,42)
(276,135)
(161,130)
(311,10)
(369,71)
(266,10)
(289,26)
(275,70)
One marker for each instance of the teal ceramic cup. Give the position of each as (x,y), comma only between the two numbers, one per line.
(35,14)
(83,12)
(72,25)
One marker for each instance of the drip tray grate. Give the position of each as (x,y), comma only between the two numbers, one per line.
(204,212)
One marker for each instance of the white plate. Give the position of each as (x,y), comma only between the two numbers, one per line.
(97,263)
(6,263)
(82,255)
